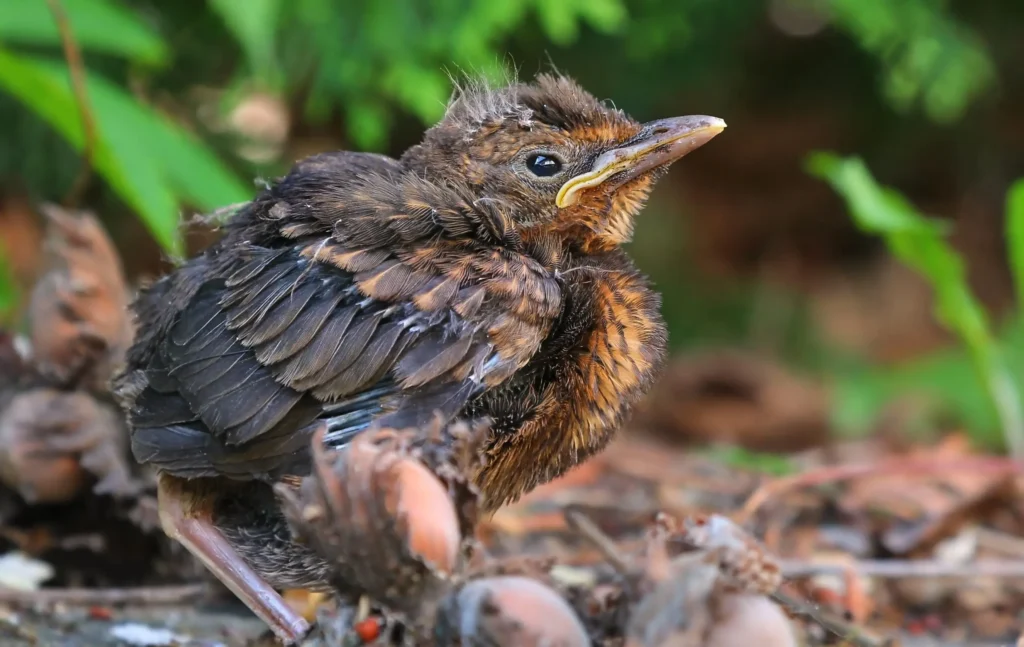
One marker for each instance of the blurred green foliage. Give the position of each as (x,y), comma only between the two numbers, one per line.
(920,243)
(152,162)
(371,59)
(376,72)
(929,57)
(8,290)
(761,462)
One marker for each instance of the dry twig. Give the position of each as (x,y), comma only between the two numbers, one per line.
(909,568)
(587,529)
(832,473)
(142,595)
(76,69)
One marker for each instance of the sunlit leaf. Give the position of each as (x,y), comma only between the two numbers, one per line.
(367,124)
(921,245)
(254,24)
(744,459)
(558,20)
(929,57)
(1015,238)
(603,15)
(876,209)
(151,162)
(98,25)
(421,91)
(8,287)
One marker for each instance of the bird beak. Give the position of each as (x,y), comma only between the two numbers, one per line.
(660,143)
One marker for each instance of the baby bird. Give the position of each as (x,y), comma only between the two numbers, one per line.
(480,275)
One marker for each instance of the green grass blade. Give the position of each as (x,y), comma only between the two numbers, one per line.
(1015,239)
(150,161)
(98,25)
(254,25)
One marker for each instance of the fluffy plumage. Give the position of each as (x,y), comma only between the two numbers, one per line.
(362,289)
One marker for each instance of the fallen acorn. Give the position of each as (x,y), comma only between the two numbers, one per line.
(507,610)
(454,453)
(746,564)
(741,619)
(380,516)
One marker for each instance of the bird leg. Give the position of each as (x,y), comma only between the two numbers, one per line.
(186,516)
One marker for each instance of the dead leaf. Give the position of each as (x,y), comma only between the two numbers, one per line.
(51,441)
(80,328)
(736,398)
(918,510)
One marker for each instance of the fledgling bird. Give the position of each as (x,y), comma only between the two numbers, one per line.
(480,275)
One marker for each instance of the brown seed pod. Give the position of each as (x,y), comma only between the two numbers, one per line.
(79,308)
(52,442)
(509,610)
(675,593)
(747,565)
(709,595)
(380,516)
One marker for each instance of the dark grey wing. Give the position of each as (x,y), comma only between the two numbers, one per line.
(386,316)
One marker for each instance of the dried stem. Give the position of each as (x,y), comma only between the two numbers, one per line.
(586,528)
(848,632)
(908,568)
(105,597)
(76,69)
(833,473)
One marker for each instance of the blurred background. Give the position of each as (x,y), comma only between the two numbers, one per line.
(836,262)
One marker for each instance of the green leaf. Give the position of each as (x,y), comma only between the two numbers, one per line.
(98,25)
(935,383)
(920,244)
(744,459)
(254,25)
(422,91)
(929,57)
(1015,238)
(604,15)
(558,20)
(8,288)
(368,123)
(150,161)
(877,210)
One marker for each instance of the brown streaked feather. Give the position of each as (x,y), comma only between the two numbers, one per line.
(369,366)
(621,345)
(436,294)
(431,356)
(390,280)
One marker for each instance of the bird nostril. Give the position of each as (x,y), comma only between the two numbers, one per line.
(661,130)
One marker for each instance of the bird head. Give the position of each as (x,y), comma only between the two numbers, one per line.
(560,162)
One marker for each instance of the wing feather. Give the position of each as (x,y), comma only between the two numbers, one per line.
(345,295)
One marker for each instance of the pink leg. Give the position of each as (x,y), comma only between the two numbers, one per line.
(187,521)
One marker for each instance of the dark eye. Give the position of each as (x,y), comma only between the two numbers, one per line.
(543,165)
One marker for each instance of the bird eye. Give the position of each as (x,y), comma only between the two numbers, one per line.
(543,165)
